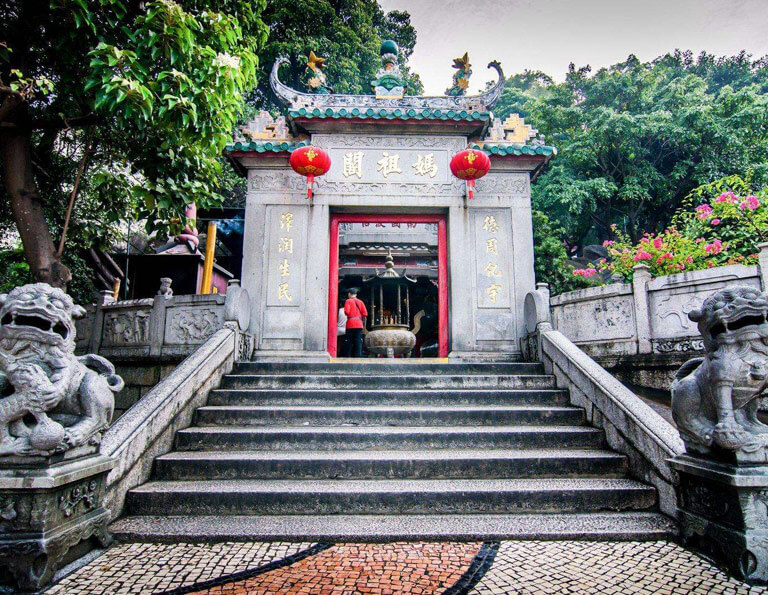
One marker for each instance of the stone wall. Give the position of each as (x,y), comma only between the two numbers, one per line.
(640,331)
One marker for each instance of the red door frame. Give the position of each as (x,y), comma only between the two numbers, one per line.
(442,271)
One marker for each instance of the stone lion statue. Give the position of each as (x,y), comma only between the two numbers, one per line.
(715,397)
(50,400)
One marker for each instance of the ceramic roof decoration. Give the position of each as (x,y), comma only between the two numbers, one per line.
(461,76)
(330,106)
(317,82)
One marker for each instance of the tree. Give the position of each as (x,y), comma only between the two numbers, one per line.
(348,33)
(634,139)
(144,94)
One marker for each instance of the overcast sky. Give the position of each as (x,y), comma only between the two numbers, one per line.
(548,34)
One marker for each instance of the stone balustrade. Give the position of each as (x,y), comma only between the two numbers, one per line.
(150,328)
(640,331)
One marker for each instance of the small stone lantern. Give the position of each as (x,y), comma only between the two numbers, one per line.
(390,317)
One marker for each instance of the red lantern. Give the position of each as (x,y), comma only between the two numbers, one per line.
(470,165)
(310,162)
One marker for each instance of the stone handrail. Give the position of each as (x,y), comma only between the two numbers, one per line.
(630,425)
(148,428)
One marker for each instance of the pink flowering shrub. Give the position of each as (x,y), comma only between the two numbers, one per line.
(665,253)
(729,213)
(725,227)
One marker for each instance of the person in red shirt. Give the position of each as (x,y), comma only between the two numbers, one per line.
(356,315)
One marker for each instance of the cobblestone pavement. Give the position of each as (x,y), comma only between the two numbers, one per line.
(524,567)
(659,567)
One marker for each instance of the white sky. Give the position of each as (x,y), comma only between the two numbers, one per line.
(548,34)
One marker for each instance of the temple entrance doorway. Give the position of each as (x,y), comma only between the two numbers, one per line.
(360,246)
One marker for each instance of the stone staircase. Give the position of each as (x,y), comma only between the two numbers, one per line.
(377,450)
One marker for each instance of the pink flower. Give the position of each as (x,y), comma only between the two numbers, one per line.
(681,266)
(588,272)
(715,221)
(714,248)
(689,259)
(663,257)
(703,212)
(727,197)
(751,203)
(642,255)
(607,243)
(658,243)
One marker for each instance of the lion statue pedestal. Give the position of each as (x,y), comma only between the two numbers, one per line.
(723,489)
(54,408)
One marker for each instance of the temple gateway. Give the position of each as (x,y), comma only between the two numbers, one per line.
(389,190)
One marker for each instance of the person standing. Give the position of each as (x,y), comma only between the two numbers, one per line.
(356,313)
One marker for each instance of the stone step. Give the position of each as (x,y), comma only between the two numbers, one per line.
(361,381)
(372,496)
(356,397)
(386,438)
(376,415)
(602,526)
(390,464)
(381,366)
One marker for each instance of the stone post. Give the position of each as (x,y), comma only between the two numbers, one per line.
(642,316)
(105,298)
(763,264)
(157,324)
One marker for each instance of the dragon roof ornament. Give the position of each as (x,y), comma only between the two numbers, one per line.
(295,100)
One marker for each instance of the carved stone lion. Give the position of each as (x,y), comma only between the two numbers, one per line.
(715,397)
(51,400)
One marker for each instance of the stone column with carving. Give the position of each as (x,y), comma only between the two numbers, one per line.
(56,408)
(723,476)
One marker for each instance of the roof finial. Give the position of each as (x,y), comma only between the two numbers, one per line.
(389,82)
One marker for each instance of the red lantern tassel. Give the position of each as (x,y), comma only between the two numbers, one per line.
(310,181)
(471,189)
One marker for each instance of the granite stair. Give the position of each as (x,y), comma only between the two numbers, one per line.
(385,450)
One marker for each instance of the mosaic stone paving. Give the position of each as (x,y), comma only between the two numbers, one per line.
(524,567)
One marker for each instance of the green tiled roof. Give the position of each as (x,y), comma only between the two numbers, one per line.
(265,146)
(494,149)
(388,114)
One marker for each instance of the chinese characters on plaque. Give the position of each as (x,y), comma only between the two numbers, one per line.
(491,231)
(287,228)
(388,163)
(285,246)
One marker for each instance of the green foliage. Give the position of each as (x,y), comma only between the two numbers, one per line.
(635,139)
(13,269)
(725,227)
(348,33)
(550,259)
(174,82)
(153,89)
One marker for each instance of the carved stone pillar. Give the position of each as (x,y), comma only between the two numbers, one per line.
(47,508)
(723,477)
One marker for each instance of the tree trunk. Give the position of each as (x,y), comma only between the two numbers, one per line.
(39,249)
